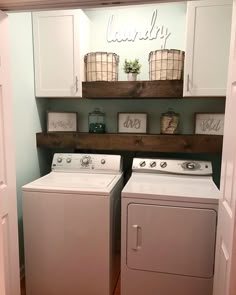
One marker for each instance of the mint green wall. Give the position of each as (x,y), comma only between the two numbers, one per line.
(171,16)
(29,115)
(154,107)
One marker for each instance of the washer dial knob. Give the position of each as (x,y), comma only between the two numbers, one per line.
(103,161)
(163,164)
(85,161)
(142,164)
(68,160)
(59,160)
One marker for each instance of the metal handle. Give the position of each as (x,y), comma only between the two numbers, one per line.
(188,83)
(136,237)
(76,84)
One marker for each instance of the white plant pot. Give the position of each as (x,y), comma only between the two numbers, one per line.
(132,76)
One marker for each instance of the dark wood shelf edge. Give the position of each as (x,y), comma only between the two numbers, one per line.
(131,97)
(133,89)
(132,142)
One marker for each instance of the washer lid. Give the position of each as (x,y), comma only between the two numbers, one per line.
(55,181)
(172,188)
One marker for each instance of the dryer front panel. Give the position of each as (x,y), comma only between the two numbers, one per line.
(174,240)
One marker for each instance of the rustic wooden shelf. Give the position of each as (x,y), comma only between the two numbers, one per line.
(133,89)
(132,142)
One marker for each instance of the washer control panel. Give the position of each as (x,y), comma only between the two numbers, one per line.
(188,167)
(90,162)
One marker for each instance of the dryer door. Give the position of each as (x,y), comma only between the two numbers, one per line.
(174,240)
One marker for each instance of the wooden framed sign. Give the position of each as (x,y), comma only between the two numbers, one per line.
(62,122)
(132,122)
(209,123)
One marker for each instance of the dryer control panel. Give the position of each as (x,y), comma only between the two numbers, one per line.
(188,167)
(89,162)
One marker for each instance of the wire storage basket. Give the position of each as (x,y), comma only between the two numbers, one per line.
(101,66)
(166,64)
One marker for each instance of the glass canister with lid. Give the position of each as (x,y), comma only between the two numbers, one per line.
(96,121)
(170,122)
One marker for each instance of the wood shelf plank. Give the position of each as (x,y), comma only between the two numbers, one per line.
(133,142)
(133,89)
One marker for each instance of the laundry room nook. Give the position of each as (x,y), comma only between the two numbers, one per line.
(119,123)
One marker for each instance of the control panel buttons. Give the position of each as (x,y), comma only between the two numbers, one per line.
(86,162)
(153,164)
(59,160)
(163,164)
(142,164)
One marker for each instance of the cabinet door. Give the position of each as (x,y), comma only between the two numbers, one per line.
(56,53)
(207,47)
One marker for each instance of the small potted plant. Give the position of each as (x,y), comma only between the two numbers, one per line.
(132,68)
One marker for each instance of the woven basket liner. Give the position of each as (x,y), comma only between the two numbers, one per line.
(101,66)
(166,64)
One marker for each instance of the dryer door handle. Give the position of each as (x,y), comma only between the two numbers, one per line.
(136,237)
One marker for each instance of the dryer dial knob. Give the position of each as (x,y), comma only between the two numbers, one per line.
(142,164)
(153,164)
(59,160)
(190,165)
(163,164)
(68,160)
(103,161)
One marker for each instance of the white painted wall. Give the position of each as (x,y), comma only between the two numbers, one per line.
(28,113)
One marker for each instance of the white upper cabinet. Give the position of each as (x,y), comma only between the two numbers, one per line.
(207,47)
(61,39)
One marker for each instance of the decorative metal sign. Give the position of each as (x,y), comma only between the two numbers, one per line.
(151,32)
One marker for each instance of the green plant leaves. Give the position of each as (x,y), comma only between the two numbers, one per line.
(132,66)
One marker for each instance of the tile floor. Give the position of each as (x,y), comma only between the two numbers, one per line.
(117,290)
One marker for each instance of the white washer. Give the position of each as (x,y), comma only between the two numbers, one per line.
(169,217)
(72,225)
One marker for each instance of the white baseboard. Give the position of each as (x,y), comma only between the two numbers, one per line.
(22,272)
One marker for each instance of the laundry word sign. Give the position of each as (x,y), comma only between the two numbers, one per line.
(212,124)
(152,31)
(132,122)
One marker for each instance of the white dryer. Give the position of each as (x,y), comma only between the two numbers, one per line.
(169,218)
(72,225)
